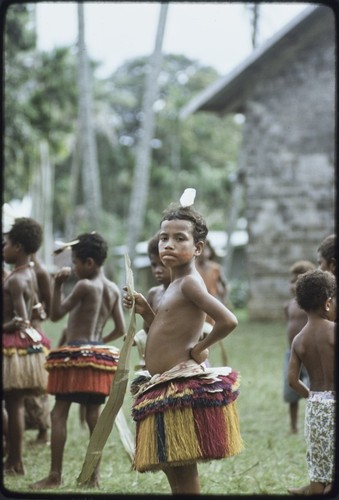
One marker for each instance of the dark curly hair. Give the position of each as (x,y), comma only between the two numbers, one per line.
(327,248)
(152,246)
(302,266)
(200,229)
(27,232)
(313,288)
(91,245)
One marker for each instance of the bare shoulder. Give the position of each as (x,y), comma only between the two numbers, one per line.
(83,286)
(299,339)
(193,283)
(152,292)
(111,285)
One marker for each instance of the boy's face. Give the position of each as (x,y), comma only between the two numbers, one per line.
(159,271)
(82,268)
(9,250)
(176,243)
(325,265)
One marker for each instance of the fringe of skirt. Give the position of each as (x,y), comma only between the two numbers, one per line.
(187,421)
(88,369)
(24,369)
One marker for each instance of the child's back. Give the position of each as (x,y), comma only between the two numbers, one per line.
(314,347)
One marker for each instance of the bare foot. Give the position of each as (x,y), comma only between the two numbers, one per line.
(14,469)
(304,490)
(52,481)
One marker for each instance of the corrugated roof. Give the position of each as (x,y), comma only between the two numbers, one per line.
(228,93)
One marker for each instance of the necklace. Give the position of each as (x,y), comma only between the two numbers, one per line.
(19,268)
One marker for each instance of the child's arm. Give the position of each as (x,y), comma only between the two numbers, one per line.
(294,367)
(20,319)
(149,298)
(118,320)
(142,307)
(224,320)
(61,307)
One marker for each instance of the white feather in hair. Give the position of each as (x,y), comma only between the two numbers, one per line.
(187,197)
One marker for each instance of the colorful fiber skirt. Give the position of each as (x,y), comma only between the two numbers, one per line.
(23,362)
(76,368)
(186,420)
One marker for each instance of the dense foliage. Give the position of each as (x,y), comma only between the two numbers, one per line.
(41,104)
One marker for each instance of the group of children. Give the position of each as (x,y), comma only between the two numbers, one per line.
(309,366)
(185,411)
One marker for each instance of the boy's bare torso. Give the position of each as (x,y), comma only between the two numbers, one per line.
(175,329)
(314,346)
(155,296)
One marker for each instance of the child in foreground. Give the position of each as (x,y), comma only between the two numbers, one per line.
(184,412)
(82,371)
(296,319)
(314,348)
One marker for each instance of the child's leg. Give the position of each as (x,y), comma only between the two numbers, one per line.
(16,426)
(59,417)
(183,479)
(294,417)
(92,414)
(4,428)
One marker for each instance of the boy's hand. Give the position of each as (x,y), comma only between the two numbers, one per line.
(197,355)
(141,305)
(62,275)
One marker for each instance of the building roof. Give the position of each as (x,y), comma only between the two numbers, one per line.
(228,94)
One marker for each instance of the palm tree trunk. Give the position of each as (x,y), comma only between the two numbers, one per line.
(88,151)
(142,166)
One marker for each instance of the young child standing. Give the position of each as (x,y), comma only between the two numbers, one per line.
(163,276)
(184,412)
(314,348)
(24,349)
(215,282)
(82,370)
(296,319)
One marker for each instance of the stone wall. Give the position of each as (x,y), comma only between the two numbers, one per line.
(288,160)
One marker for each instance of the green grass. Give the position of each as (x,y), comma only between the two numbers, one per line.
(272,460)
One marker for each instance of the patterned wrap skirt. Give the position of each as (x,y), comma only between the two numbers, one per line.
(185,415)
(23,362)
(320,436)
(80,367)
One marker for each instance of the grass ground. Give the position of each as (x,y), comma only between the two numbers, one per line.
(272,460)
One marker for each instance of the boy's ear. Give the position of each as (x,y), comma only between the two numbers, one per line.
(90,262)
(18,247)
(199,246)
(328,304)
(333,265)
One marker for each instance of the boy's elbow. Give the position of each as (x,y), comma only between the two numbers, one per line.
(291,381)
(233,322)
